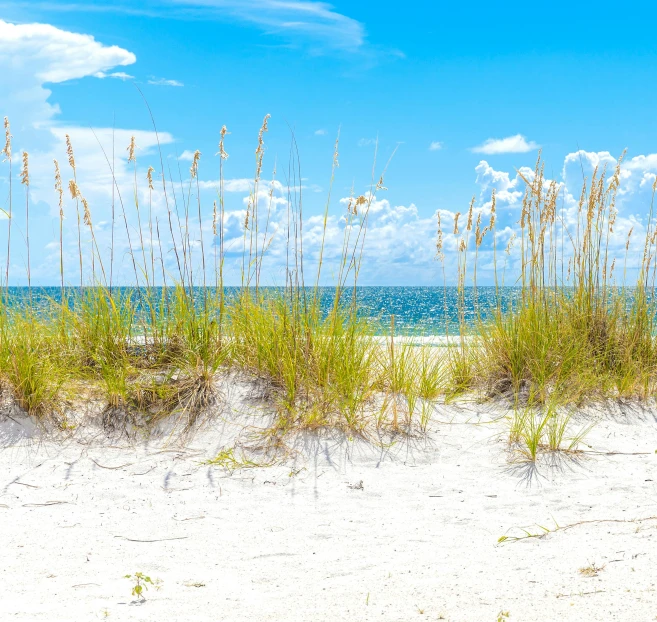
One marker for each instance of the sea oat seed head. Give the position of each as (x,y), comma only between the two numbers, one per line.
(439,239)
(73,188)
(512,239)
(7,148)
(149,176)
(87,212)
(69,152)
(456,223)
(193,171)
(479,236)
(469,225)
(131,149)
(222,153)
(260,150)
(59,189)
(25,172)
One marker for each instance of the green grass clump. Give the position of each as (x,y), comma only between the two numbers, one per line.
(574,333)
(29,368)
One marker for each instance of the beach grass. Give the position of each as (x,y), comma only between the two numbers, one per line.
(575,333)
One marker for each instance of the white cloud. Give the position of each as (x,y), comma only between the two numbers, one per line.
(510,144)
(54,55)
(32,55)
(164,82)
(315,22)
(241,185)
(318,23)
(435,146)
(186,156)
(120,75)
(366,142)
(320,132)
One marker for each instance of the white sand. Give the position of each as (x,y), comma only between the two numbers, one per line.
(418,542)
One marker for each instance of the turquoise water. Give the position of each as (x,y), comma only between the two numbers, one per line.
(417,310)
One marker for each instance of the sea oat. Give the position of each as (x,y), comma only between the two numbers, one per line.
(479,236)
(525,209)
(260,150)
(6,150)
(69,152)
(493,210)
(149,177)
(25,172)
(193,171)
(59,189)
(87,212)
(469,225)
(509,246)
(439,240)
(456,223)
(222,153)
(131,150)
(74,190)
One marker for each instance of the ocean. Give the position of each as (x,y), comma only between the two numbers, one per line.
(416,310)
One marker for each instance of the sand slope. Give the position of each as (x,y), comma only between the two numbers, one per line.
(303,541)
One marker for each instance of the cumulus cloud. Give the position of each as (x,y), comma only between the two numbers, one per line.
(435,146)
(33,55)
(510,144)
(54,55)
(320,132)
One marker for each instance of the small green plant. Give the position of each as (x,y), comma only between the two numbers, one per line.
(529,534)
(141,583)
(226,458)
(536,429)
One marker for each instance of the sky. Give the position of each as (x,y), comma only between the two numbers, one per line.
(461,95)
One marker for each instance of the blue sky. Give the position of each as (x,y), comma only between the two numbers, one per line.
(468,92)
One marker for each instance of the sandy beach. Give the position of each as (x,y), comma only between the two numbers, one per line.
(342,530)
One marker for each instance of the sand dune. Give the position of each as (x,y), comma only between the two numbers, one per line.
(341,531)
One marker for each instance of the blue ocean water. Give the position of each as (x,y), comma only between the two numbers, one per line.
(416,310)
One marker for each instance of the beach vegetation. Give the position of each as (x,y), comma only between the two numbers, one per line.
(575,330)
